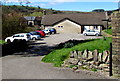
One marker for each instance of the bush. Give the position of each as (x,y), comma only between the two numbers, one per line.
(29,29)
(94,69)
(68,45)
(11,24)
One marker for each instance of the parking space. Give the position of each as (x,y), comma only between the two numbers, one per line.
(45,45)
(52,40)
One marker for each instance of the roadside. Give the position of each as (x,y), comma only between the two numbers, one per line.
(24,65)
(47,44)
(16,67)
(107,33)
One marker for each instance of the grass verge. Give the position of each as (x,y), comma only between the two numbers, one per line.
(58,56)
(109,31)
(2,42)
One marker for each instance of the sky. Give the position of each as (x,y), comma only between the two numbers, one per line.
(69,5)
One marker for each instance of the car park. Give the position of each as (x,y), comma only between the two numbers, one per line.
(91,32)
(20,36)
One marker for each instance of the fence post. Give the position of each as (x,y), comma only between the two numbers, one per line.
(110,63)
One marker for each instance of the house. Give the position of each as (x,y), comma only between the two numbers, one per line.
(75,22)
(31,20)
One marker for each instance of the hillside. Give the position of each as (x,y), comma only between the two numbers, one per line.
(32,11)
(25,10)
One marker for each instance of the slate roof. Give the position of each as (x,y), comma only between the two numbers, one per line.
(38,18)
(79,18)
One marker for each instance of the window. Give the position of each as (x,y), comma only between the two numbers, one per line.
(22,35)
(16,36)
(60,26)
(96,27)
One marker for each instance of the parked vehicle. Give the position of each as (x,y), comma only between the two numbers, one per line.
(52,30)
(41,33)
(20,36)
(34,35)
(91,32)
(47,31)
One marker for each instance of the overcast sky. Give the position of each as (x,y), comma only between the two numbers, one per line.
(75,5)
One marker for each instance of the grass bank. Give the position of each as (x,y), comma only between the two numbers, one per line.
(58,56)
(109,31)
(2,42)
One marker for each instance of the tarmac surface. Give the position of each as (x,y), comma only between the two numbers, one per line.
(30,67)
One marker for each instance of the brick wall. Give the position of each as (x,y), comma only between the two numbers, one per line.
(116,44)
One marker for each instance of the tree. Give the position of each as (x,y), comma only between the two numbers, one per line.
(98,10)
(38,7)
(11,24)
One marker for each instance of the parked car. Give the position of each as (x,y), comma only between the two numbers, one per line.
(34,35)
(91,32)
(20,36)
(52,31)
(47,31)
(41,33)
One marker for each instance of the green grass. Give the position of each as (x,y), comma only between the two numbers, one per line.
(71,66)
(109,31)
(2,42)
(94,69)
(116,12)
(58,56)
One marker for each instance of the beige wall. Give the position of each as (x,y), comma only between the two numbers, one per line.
(68,27)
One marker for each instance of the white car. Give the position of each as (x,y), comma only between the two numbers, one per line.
(34,36)
(20,36)
(47,31)
(91,32)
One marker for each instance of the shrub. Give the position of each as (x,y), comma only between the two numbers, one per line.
(11,24)
(94,69)
(68,45)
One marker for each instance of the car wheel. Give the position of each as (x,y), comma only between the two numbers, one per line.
(8,41)
(49,33)
(52,32)
(97,35)
(85,34)
(34,39)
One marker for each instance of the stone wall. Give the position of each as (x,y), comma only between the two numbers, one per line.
(89,60)
(116,43)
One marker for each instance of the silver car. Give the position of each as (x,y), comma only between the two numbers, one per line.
(91,32)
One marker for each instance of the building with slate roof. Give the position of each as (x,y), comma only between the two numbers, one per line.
(75,22)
